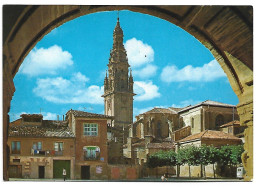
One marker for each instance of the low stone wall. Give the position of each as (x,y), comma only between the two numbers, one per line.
(123,172)
(216,172)
(158,171)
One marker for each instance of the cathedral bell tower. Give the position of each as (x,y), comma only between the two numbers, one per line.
(118,83)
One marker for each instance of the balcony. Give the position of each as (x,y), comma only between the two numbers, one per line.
(47,153)
(38,152)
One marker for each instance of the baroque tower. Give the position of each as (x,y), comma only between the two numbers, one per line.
(118,83)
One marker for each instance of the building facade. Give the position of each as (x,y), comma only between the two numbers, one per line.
(40,148)
(161,128)
(91,153)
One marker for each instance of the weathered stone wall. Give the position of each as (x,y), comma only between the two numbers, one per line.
(123,172)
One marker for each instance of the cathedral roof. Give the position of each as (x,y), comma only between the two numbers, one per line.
(208,103)
(210,134)
(78,113)
(161,110)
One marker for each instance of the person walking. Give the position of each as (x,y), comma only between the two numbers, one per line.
(163,178)
(64,173)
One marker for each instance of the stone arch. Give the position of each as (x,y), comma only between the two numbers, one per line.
(227,31)
(219,120)
(159,129)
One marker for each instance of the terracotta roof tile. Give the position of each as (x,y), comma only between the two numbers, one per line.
(161,110)
(32,115)
(208,102)
(232,123)
(52,130)
(210,134)
(78,113)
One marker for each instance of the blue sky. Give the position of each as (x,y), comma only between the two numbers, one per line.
(66,68)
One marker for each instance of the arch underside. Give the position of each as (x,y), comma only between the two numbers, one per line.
(227,31)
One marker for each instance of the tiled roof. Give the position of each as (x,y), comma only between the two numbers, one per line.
(208,103)
(162,145)
(232,123)
(161,110)
(176,109)
(78,113)
(140,143)
(32,115)
(210,134)
(52,123)
(40,131)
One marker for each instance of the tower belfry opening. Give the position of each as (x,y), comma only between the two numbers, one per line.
(118,88)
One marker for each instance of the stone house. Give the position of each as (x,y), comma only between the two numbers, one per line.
(40,148)
(91,154)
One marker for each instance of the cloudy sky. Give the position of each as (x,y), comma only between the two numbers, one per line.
(66,69)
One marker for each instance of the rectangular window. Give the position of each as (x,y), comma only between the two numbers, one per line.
(91,152)
(16,147)
(37,145)
(230,130)
(90,129)
(58,146)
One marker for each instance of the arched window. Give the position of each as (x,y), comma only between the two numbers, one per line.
(219,120)
(192,122)
(158,129)
(122,84)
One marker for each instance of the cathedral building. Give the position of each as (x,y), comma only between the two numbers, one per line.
(118,94)
(162,128)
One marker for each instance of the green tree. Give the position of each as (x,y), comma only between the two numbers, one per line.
(188,155)
(236,152)
(225,155)
(208,155)
(213,157)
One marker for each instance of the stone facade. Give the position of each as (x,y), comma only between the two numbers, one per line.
(208,115)
(118,95)
(161,128)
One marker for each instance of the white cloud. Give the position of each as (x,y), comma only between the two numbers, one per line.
(46,61)
(185,103)
(137,111)
(145,91)
(206,73)
(146,72)
(138,53)
(50,116)
(46,115)
(65,91)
